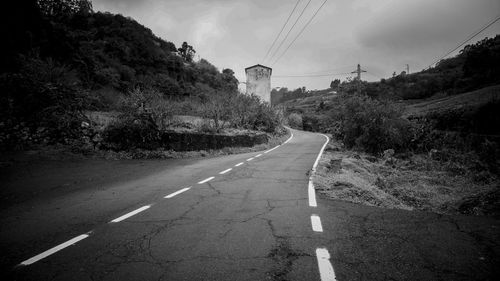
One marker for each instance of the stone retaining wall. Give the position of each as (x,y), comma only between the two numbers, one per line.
(183,141)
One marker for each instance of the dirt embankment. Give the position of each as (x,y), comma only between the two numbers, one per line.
(415,182)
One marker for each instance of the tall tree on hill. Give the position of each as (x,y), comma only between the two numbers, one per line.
(231,83)
(187,52)
(64,8)
(335,84)
(21,30)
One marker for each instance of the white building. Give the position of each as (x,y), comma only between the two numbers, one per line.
(259,81)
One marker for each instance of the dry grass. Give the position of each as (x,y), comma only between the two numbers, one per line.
(415,183)
(466,100)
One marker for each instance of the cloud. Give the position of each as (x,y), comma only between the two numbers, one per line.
(382,35)
(206,29)
(412,25)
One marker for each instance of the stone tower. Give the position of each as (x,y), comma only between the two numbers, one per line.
(259,81)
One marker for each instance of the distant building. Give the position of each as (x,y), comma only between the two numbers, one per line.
(259,81)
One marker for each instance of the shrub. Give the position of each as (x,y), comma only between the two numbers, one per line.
(311,123)
(132,131)
(149,101)
(248,112)
(373,125)
(295,121)
(41,103)
(266,119)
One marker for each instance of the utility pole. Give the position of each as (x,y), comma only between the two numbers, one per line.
(358,78)
(358,71)
(407,69)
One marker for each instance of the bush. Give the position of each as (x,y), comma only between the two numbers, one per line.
(311,123)
(372,125)
(130,132)
(295,121)
(266,119)
(150,101)
(41,103)
(247,112)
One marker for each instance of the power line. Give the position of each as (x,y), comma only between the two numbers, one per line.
(288,33)
(373,75)
(320,72)
(327,70)
(302,30)
(282,28)
(467,40)
(318,75)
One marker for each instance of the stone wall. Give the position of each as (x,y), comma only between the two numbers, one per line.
(181,141)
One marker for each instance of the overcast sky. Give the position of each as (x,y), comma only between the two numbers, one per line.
(382,35)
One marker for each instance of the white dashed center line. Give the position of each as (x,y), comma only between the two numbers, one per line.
(225,171)
(316,223)
(259,155)
(54,250)
(205,180)
(239,164)
(177,192)
(250,159)
(128,215)
(311,194)
(325,267)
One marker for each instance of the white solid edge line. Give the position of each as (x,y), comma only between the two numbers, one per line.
(325,267)
(316,223)
(225,171)
(320,153)
(272,149)
(55,249)
(128,215)
(239,164)
(250,159)
(289,138)
(205,180)
(177,192)
(310,188)
(259,155)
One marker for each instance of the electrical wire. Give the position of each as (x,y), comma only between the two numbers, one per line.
(467,40)
(319,75)
(302,30)
(282,28)
(326,70)
(288,33)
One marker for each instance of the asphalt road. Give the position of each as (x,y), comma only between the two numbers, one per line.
(253,222)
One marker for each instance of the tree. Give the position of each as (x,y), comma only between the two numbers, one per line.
(64,8)
(187,52)
(230,82)
(335,84)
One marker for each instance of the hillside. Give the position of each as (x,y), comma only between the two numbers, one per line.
(425,141)
(470,100)
(62,60)
(322,101)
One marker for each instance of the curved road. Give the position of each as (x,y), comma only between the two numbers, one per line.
(237,217)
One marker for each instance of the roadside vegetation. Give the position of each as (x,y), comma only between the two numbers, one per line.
(65,64)
(428,140)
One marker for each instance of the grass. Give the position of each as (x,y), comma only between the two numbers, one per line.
(472,99)
(415,182)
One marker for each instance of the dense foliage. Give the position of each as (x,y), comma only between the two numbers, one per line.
(283,94)
(475,67)
(372,125)
(62,58)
